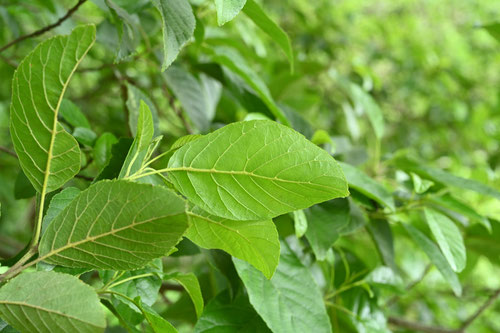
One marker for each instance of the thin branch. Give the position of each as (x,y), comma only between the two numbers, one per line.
(8,151)
(45,29)
(417,326)
(479,311)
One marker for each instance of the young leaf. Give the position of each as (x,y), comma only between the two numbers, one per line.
(178,27)
(359,181)
(198,97)
(448,237)
(300,222)
(227,315)
(325,221)
(236,63)
(436,258)
(420,185)
(253,241)
(289,302)
(143,137)
(134,97)
(51,302)
(253,10)
(115,225)
(255,170)
(49,156)
(228,9)
(192,286)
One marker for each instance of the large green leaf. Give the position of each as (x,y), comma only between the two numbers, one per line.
(49,156)
(260,18)
(51,302)
(448,237)
(236,63)
(226,315)
(178,27)
(289,302)
(115,225)
(436,258)
(60,201)
(359,181)
(255,170)
(256,242)
(324,223)
(198,97)
(228,9)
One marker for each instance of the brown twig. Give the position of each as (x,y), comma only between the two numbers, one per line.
(403,323)
(45,29)
(8,151)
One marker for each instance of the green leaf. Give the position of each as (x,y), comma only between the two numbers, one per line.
(51,302)
(134,97)
(103,148)
(381,233)
(192,286)
(140,146)
(449,202)
(22,187)
(85,136)
(178,27)
(359,181)
(49,156)
(57,205)
(198,98)
(228,9)
(72,114)
(127,32)
(115,225)
(289,302)
(225,315)
(253,241)
(253,10)
(443,177)
(158,324)
(236,63)
(325,221)
(436,258)
(184,140)
(420,185)
(255,170)
(321,137)
(448,237)
(300,222)
(493,29)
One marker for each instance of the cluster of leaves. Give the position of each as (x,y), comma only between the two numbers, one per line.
(185,178)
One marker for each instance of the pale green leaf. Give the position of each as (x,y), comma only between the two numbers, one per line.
(192,286)
(49,156)
(51,302)
(198,97)
(359,181)
(448,237)
(289,302)
(253,10)
(420,185)
(236,63)
(228,9)
(254,170)
(325,221)
(300,222)
(436,258)
(178,23)
(115,225)
(256,242)
(140,146)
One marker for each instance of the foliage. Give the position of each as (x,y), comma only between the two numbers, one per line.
(249,166)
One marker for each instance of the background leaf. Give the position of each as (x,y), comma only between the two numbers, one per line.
(228,9)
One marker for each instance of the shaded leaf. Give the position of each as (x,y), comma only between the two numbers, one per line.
(72,114)
(49,156)
(192,286)
(381,233)
(129,225)
(29,303)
